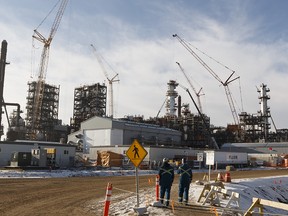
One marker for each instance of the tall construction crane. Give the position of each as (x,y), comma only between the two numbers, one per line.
(110,80)
(225,83)
(197,93)
(38,98)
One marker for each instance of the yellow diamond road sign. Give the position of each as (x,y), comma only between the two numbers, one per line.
(136,153)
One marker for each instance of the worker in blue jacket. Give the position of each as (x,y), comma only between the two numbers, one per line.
(185,179)
(166,178)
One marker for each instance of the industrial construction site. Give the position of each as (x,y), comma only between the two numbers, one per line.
(39,119)
(51,164)
(42,123)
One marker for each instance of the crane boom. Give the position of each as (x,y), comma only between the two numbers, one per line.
(110,81)
(99,59)
(198,58)
(209,69)
(39,91)
(38,36)
(193,88)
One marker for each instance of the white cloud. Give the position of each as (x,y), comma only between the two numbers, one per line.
(144,55)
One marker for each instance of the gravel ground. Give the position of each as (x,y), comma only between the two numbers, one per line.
(76,196)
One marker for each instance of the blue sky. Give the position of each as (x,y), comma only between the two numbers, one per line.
(135,37)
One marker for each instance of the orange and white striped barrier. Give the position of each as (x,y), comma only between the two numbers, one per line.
(157,187)
(108,199)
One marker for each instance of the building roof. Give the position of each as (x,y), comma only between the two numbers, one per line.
(265,147)
(97,122)
(34,142)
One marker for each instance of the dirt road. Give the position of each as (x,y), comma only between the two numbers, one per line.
(75,196)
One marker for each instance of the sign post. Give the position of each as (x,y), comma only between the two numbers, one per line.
(137,186)
(136,153)
(210,161)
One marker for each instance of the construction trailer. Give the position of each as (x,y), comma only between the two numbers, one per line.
(262,153)
(89,101)
(23,153)
(221,159)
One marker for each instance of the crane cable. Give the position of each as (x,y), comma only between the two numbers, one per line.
(32,73)
(210,57)
(222,66)
(241,98)
(47,15)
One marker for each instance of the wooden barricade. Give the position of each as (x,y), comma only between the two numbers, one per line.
(214,199)
(260,203)
(207,188)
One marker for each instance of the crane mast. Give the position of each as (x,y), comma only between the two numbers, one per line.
(209,69)
(110,81)
(39,91)
(193,88)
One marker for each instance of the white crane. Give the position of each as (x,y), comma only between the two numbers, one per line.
(43,66)
(225,84)
(110,81)
(197,93)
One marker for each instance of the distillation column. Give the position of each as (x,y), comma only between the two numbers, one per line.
(171,94)
(265,110)
(2,75)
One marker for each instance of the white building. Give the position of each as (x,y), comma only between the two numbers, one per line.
(106,134)
(99,131)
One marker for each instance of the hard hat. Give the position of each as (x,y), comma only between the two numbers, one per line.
(165,160)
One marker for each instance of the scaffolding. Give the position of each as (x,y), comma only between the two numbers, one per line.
(250,127)
(43,127)
(89,101)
